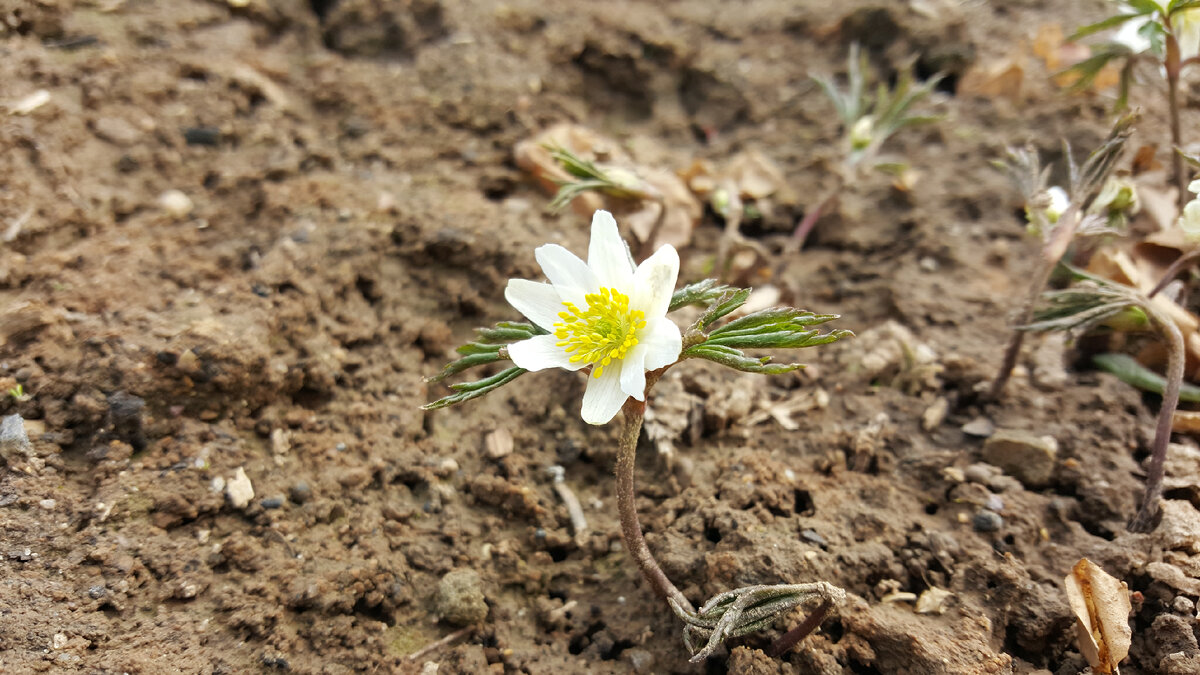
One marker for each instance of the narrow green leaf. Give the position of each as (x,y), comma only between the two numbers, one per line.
(465,391)
(728,302)
(1128,370)
(799,317)
(487,349)
(732,358)
(1110,22)
(700,293)
(1181,5)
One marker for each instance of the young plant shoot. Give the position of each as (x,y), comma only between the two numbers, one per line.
(868,121)
(1163,32)
(1057,217)
(1094,301)
(608,317)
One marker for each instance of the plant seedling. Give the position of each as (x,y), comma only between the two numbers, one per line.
(1058,217)
(868,121)
(1164,32)
(608,317)
(1094,301)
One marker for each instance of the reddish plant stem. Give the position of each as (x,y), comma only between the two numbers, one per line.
(631,528)
(1147,516)
(1017,337)
(800,235)
(793,637)
(1173,271)
(1173,66)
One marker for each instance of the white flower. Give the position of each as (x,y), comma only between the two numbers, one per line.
(1185,24)
(1059,201)
(606,314)
(1189,220)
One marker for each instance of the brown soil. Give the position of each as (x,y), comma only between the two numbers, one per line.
(357,212)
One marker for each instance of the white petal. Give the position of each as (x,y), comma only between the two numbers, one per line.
(603,398)
(607,255)
(663,343)
(633,372)
(539,302)
(541,352)
(654,282)
(565,270)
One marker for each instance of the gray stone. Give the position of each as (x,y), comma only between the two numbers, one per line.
(1022,455)
(987,521)
(460,599)
(300,492)
(14,442)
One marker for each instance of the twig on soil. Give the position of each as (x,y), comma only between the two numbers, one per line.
(579,525)
(434,646)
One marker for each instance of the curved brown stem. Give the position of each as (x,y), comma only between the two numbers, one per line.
(1173,271)
(793,637)
(1147,516)
(631,528)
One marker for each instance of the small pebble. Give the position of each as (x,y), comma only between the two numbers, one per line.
(96,592)
(47,504)
(238,489)
(300,492)
(987,521)
(460,600)
(813,537)
(994,503)
(273,502)
(980,427)
(176,203)
(1183,605)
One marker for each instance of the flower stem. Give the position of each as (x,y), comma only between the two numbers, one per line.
(793,637)
(1148,514)
(1173,67)
(1173,271)
(631,528)
(800,234)
(1017,337)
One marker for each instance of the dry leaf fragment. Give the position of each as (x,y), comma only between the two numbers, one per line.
(1101,606)
(933,600)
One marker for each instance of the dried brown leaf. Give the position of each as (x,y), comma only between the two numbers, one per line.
(1101,606)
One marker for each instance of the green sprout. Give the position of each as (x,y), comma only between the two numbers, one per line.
(1094,301)
(1058,226)
(1165,33)
(869,118)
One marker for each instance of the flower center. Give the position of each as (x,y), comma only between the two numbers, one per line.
(603,332)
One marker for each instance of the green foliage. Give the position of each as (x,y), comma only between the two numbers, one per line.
(589,176)
(876,116)
(782,328)
(489,347)
(703,292)
(1128,370)
(1092,301)
(465,391)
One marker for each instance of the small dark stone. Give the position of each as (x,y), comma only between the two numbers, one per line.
(987,521)
(167,358)
(569,451)
(272,502)
(96,592)
(209,136)
(300,492)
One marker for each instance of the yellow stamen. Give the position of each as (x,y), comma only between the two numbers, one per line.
(602,333)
